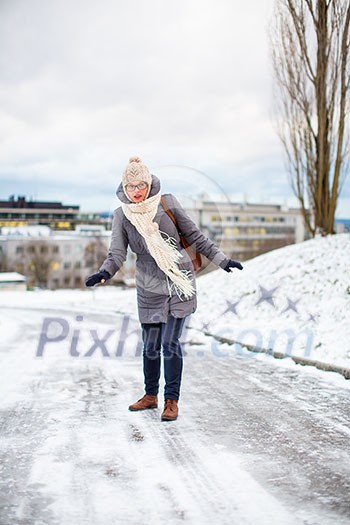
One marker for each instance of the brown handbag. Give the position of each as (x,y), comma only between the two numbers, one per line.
(195,256)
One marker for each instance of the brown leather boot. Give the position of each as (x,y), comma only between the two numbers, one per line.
(170,411)
(145,402)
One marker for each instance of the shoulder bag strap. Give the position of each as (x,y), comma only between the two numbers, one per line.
(167,210)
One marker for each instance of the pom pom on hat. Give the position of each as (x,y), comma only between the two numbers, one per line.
(136,171)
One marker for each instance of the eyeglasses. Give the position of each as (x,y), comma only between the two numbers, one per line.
(141,186)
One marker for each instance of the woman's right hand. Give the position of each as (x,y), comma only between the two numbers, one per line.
(96,278)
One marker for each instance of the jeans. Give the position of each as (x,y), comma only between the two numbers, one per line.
(166,335)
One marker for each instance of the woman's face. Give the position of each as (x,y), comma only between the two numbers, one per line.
(137,192)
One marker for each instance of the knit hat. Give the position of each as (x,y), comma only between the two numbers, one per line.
(135,172)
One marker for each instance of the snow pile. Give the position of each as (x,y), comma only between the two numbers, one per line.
(294,300)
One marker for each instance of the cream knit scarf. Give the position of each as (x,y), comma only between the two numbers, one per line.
(163,250)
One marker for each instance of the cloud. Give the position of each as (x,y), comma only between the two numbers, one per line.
(84,85)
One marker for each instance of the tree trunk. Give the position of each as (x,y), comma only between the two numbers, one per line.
(310,53)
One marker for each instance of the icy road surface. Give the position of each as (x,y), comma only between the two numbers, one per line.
(258,441)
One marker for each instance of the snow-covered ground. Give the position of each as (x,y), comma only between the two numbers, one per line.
(258,440)
(298,294)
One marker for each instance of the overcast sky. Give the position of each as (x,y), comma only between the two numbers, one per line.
(86,84)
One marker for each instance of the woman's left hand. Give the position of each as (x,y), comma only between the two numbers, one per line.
(233,264)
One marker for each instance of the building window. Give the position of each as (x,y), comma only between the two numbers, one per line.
(43,249)
(55,265)
(56,249)
(66,265)
(66,281)
(231,231)
(19,249)
(77,282)
(77,265)
(63,225)
(31,249)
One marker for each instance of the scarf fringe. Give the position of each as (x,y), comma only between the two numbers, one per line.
(163,249)
(182,294)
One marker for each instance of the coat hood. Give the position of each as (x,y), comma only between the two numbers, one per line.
(155,188)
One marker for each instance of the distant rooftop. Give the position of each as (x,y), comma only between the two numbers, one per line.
(11,277)
(22,202)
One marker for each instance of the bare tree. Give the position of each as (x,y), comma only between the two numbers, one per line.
(3,260)
(310,56)
(95,252)
(35,262)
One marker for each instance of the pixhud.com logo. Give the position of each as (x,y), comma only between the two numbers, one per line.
(232,325)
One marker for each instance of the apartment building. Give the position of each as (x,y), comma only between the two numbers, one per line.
(244,230)
(19,212)
(58,260)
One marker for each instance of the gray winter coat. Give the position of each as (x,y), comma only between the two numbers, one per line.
(155,303)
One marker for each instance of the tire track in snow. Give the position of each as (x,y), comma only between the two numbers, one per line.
(277,422)
(209,477)
(204,491)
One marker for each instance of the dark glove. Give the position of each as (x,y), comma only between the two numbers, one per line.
(96,278)
(232,264)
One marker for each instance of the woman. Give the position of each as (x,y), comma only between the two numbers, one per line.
(165,280)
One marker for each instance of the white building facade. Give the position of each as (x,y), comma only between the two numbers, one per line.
(58,260)
(244,230)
